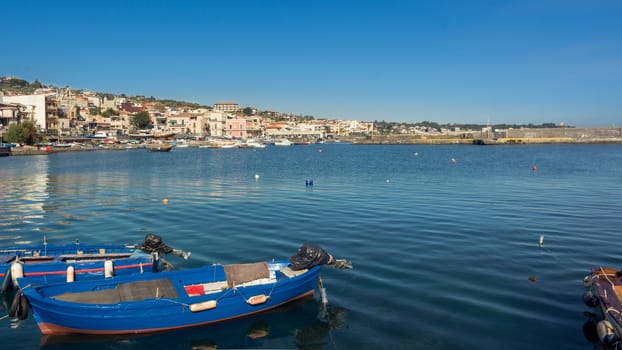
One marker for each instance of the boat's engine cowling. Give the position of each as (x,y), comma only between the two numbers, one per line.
(154,243)
(309,255)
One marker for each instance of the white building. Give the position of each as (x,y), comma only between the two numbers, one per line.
(35,107)
(216,122)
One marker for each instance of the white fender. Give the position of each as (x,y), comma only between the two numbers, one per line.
(606,333)
(108,269)
(17,271)
(71,274)
(206,305)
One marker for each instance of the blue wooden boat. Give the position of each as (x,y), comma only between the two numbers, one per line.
(142,303)
(50,263)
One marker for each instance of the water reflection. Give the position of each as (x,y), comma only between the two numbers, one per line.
(293,325)
(25,191)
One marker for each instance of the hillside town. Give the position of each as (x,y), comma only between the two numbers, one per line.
(65,113)
(62,116)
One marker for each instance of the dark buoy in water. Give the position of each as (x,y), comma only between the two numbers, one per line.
(534,168)
(309,182)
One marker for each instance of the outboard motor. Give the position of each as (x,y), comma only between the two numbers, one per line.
(310,255)
(154,244)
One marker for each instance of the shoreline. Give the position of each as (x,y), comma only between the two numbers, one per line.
(33,150)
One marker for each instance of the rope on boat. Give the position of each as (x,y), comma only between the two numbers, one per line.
(606,276)
(247,300)
(188,305)
(612,309)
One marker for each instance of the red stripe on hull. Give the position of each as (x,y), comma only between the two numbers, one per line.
(53,329)
(84,270)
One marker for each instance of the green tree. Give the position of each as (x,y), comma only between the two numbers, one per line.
(109,112)
(247,111)
(22,133)
(141,120)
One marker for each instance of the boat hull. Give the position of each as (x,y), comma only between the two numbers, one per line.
(162,313)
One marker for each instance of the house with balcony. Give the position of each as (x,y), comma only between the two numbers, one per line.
(10,113)
(216,122)
(35,108)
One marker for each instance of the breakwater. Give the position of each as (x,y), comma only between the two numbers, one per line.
(510,136)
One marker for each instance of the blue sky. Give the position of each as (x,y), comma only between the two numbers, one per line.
(461,61)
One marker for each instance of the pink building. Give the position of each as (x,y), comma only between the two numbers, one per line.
(236,128)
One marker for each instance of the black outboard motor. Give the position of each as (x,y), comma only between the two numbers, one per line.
(311,254)
(154,244)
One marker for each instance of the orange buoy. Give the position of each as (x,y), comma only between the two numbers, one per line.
(165,201)
(257,299)
(206,305)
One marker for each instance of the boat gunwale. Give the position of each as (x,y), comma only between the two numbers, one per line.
(182,294)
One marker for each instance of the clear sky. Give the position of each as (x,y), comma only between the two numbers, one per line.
(462,61)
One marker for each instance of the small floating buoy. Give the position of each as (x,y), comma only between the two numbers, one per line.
(541,242)
(534,168)
(165,201)
(309,182)
(387,180)
(532,278)
(256,176)
(453,160)
(416,154)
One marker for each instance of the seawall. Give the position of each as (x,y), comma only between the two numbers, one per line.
(510,136)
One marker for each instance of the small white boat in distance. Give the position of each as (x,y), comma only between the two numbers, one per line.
(283,142)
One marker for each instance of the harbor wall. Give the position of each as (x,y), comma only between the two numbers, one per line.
(577,134)
(509,136)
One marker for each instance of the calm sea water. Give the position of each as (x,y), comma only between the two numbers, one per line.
(445,253)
